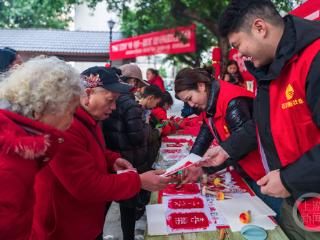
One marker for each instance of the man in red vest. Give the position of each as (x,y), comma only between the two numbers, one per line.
(285,56)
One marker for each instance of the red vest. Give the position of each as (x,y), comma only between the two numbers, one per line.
(292,126)
(251,163)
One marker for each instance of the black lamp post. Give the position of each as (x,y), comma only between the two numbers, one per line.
(111,24)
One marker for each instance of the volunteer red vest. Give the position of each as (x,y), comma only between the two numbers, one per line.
(292,126)
(251,163)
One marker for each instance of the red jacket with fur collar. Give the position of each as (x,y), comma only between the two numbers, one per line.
(73,191)
(25,146)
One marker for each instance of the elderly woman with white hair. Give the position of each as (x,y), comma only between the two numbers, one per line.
(37,103)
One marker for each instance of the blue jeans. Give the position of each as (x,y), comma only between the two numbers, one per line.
(272,202)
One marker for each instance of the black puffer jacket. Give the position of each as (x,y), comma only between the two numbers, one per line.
(126,133)
(242,138)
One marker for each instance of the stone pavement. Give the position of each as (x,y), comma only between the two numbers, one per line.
(112,227)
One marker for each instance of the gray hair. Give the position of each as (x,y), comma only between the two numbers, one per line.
(42,85)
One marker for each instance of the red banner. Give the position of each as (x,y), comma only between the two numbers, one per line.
(308,10)
(165,42)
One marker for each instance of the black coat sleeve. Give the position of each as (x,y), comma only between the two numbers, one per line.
(134,125)
(303,175)
(242,139)
(203,140)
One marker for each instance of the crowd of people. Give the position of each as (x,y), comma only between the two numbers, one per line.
(72,143)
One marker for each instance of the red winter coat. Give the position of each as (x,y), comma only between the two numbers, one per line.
(73,191)
(158,81)
(23,151)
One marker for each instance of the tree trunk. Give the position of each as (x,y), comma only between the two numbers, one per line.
(197,62)
(224,46)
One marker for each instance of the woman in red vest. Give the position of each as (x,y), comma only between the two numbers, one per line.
(227,113)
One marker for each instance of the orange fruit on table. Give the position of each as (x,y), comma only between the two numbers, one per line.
(245,217)
(220,196)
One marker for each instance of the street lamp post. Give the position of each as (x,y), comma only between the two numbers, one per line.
(111,24)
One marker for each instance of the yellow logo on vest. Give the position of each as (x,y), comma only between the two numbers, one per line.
(289,92)
(226,131)
(289,95)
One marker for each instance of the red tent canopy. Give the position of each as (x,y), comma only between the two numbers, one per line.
(308,10)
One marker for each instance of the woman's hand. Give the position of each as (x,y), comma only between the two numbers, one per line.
(215,156)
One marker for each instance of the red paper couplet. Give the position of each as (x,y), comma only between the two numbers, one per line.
(188,188)
(188,220)
(185,203)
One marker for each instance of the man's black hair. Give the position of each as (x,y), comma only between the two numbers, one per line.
(154,71)
(152,90)
(240,13)
(166,98)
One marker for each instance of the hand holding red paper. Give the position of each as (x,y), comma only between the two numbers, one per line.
(191,174)
(215,156)
(153,181)
(187,162)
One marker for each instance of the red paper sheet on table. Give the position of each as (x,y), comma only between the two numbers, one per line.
(191,126)
(194,131)
(166,150)
(193,188)
(194,221)
(184,202)
(187,214)
(176,140)
(186,189)
(174,145)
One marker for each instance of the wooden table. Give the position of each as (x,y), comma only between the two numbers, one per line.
(276,234)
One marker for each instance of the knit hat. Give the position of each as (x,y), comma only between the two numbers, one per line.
(132,71)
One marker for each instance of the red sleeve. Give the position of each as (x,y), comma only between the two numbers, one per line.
(151,81)
(76,170)
(11,198)
(162,85)
(166,130)
(159,82)
(111,157)
(17,178)
(160,114)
